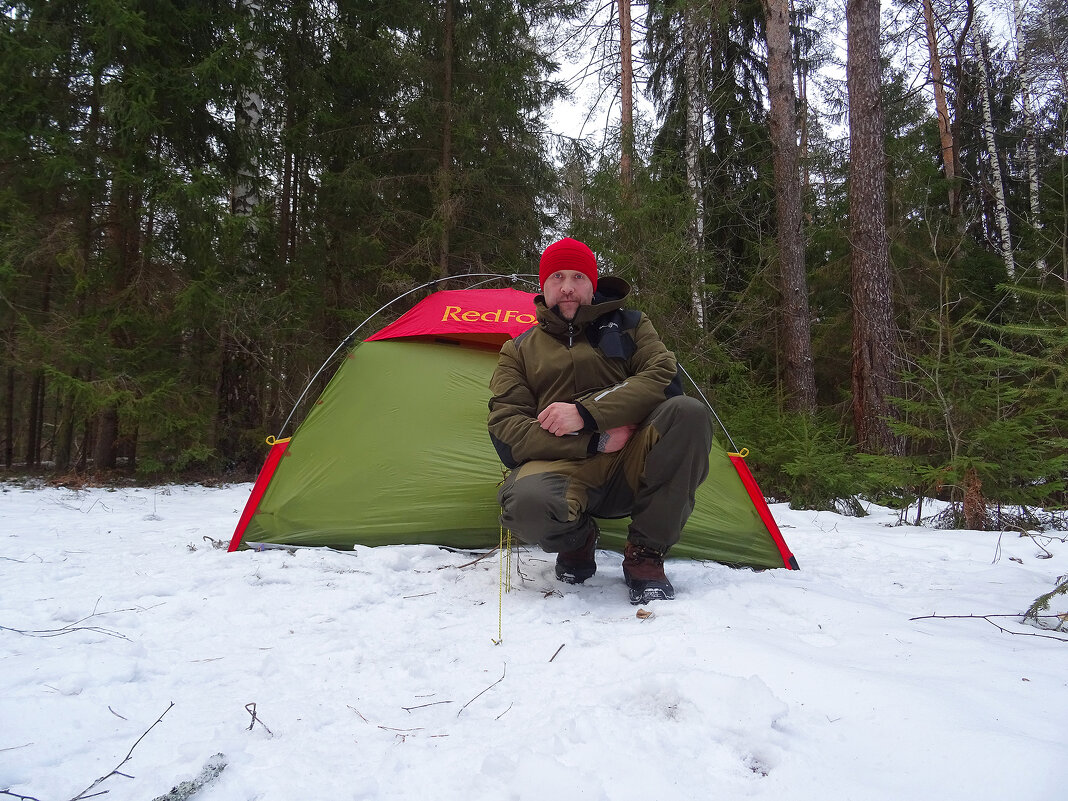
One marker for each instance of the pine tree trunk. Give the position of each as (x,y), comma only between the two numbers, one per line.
(35,425)
(874,357)
(1000,209)
(695,118)
(803,126)
(9,419)
(35,422)
(797,338)
(240,407)
(65,429)
(107,434)
(974,504)
(626,160)
(945,128)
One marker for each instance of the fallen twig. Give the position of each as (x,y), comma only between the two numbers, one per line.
(473,561)
(20,797)
(988,619)
(21,562)
(251,709)
(116,772)
(1045,550)
(70,628)
(484,691)
(409,709)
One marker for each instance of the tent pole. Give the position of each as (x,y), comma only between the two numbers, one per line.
(514,277)
(709,405)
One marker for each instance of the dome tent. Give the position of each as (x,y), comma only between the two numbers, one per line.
(395,450)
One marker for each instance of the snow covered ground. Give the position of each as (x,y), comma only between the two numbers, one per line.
(375,674)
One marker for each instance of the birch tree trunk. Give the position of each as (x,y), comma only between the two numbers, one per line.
(945,129)
(799,377)
(695,119)
(874,357)
(248,116)
(1001,211)
(236,388)
(1030,153)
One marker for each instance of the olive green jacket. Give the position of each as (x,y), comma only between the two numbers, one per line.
(608,360)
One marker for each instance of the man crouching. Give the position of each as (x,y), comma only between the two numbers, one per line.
(588,413)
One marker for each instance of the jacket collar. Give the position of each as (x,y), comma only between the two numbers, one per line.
(611,294)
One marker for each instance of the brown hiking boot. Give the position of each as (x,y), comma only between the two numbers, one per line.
(643,570)
(574,567)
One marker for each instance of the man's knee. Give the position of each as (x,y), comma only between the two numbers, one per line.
(689,414)
(534,507)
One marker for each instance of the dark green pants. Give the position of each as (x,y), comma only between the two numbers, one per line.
(653,479)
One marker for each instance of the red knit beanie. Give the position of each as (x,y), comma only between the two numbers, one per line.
(568,254)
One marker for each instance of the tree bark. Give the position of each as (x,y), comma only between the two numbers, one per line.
(803,121)
(874,361)
(249,113)
(65,429)
(9,419)
(1030,153)
(35,422)
(107,434)
(35,425)
(945,128)
(799,376)
(1000,209)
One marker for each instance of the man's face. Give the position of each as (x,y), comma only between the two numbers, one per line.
(568,289)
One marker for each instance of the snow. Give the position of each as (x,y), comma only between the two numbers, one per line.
(376,674)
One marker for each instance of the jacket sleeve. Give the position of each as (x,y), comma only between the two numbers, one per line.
(513,418)
(652,370)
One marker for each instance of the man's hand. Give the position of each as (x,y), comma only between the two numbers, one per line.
(561,419)
(614,439)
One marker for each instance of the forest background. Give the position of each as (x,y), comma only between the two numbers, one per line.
(850,222)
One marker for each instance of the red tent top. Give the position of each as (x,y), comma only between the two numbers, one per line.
(484,316)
